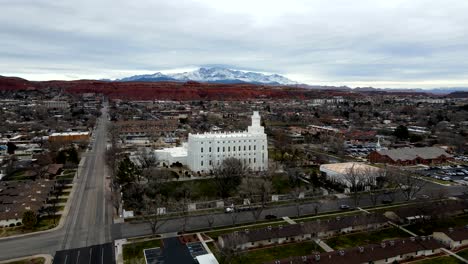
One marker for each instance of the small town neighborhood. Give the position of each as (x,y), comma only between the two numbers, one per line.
(334,179)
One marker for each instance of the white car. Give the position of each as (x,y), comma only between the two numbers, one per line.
(446,178)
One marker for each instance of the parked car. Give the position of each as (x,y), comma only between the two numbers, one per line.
(269,217)
(424,196)
(230,209)
(344,207)
(465,178)
(387,200)
(446,178)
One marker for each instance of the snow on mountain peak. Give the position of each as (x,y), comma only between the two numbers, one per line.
(215,74)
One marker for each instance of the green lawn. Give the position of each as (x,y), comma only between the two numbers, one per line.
(199,189)
(439,260)
(69,171)
(28,261)
(215,234)
(430,227)
(364,238)
(44,223)
(133,253)
(66,176)
(278,252)
(463,253)
(60,200)
(17,176)
(47,222)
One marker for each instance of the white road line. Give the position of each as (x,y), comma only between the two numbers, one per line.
(78,257)
(90,254)
(66,258)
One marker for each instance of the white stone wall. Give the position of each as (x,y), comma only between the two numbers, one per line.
(208,150)
(7,222)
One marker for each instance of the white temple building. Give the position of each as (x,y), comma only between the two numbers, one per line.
(207,150)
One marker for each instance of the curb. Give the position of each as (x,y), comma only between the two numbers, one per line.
(48,258)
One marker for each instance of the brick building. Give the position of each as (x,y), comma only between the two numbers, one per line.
(410,156)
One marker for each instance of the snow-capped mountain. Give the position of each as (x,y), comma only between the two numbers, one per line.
(214,75)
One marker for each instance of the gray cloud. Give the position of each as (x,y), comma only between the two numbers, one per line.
(364,42)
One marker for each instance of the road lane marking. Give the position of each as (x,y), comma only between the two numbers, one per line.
(90,255)
(66,258)
(78,257)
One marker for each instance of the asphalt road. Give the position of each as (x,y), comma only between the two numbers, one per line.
(98,254)
(89,220)
(126,230)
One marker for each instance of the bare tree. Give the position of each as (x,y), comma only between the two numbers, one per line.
(408,184)
(296,193)
(183,203)
(370,180)
(354,179)
(146,160)
(115,197)
(153,213)
(258,191)
(210,220)
(316,205)
(228,176)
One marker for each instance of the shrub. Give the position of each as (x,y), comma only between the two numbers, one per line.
(19,224)
(29,219)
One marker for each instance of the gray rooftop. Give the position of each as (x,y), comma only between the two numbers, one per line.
(413,153)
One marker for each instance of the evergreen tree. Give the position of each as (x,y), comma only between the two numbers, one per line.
(401,132)
(73,155)
(29,219)
(127,171)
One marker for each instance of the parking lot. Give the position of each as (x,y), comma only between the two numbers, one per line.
(456,173)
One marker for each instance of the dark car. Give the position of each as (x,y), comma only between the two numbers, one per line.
(269,217)
(387,201)
(344,207)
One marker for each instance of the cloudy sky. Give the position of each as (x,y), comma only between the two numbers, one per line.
(380,43)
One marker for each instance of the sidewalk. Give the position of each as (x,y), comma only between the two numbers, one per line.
(323,245)
(48,259)
(454,255)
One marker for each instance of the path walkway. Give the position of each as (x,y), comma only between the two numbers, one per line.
(323,245)
(289,220)
(402,228)
(200,237)
(365,211)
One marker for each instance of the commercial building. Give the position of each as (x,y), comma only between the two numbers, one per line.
(69,137)
(410,156)
(340,172)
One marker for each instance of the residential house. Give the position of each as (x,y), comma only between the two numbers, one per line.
(247,239)
(393,251)
(453,237)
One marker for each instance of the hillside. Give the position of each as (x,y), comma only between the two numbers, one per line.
(163,90)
